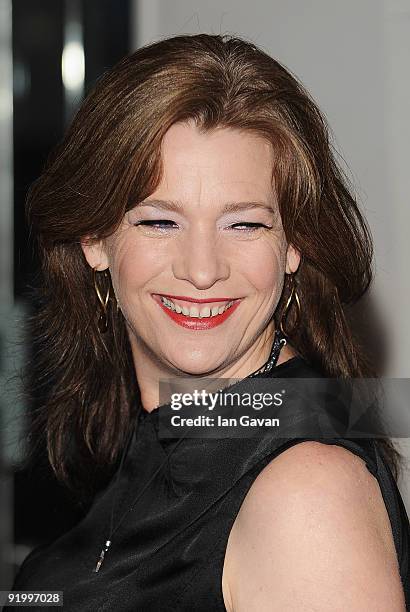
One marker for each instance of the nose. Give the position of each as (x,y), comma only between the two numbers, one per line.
(200,260)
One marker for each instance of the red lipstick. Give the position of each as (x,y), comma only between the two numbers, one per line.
(197,300)
(197,323)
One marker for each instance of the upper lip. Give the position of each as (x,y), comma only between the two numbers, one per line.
(196,300)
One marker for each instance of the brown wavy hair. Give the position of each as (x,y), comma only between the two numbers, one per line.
(108,161)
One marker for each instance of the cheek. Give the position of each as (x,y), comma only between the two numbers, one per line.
(133,266)
(264,266)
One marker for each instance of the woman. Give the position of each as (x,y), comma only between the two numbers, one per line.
(193,223)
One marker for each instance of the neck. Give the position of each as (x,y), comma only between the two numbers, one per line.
(149,370)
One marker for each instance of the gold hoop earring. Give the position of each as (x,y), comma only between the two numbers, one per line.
(102,319)
(293,294)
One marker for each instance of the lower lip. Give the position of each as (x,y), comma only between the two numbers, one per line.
(196,322)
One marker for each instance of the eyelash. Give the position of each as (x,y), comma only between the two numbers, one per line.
(251,226)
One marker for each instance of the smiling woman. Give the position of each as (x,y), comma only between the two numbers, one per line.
(200,246)
(194,224)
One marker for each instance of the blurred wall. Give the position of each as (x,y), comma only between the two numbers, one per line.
(353,57)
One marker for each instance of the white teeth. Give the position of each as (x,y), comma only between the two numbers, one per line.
(193,311)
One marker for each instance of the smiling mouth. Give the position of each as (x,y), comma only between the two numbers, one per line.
(196,309)
(197,315)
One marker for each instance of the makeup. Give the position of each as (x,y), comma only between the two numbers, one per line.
(197,323)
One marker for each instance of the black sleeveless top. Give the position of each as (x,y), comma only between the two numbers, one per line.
(168,553)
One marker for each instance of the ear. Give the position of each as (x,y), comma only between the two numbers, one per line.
(95,253)
(292,259)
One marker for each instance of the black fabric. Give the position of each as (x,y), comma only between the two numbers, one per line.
(168,553)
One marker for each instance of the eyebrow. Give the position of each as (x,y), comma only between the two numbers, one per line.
(176,206)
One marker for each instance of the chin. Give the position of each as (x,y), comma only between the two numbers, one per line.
(192,367)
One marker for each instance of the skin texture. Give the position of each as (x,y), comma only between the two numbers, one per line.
(312,534)
(200,255)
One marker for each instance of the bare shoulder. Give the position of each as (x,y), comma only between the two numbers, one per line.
(313,533)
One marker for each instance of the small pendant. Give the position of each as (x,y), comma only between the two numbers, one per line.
(102,556)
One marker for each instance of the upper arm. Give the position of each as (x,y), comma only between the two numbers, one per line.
(313,534)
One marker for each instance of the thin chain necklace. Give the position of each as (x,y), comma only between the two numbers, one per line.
(278,342)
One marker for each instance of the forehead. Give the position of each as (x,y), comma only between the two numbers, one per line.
(221,158)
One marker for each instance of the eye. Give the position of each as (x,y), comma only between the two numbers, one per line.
(164,224)
(250,227)
(156,223)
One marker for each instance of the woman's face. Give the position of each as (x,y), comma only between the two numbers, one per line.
(208,235)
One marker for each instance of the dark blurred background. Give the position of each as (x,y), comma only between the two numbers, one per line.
(58,49)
